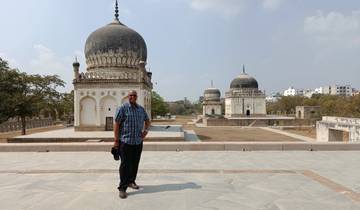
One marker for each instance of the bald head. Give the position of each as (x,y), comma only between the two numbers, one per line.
(132,92)
(132,96)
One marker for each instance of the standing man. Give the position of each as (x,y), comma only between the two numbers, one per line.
(129,133)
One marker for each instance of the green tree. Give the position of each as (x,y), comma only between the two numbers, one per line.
(9,84)
(35,90)
(158,105)
(24,95)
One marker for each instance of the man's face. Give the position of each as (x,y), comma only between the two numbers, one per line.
(132,97)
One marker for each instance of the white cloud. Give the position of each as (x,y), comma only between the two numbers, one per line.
(334,28)
(227,8)
(271,4)
(48,62)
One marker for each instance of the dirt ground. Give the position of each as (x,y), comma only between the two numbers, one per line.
(308,132)
(4,136)
(226,133)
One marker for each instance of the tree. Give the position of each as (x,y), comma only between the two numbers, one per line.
(158,105)
(24,95)
(34,91)
(9,84)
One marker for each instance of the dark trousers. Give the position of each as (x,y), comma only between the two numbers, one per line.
(130,158)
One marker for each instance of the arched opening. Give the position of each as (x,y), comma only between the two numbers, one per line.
(299,114)
(87,112)
(212,111)
(108,108)
(247,112)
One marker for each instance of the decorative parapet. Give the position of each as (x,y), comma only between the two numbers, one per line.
(111,59)
(244,93)
(108,76)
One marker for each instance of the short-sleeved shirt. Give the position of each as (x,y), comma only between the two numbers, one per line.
(131,119)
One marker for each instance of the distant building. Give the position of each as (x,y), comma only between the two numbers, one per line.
(290,92)
(273,97)
(244,97)
(212,103)
(307,112)
(340,90)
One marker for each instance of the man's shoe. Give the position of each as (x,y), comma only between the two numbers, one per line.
(122,194)
(134,186)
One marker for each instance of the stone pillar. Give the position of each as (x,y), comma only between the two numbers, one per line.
(322,132)
(98,113)
(76,108)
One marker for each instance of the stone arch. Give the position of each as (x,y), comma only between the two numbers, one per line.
(108,107)
(88,111)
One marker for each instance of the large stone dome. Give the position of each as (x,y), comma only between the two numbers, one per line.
(115,45)
(244,81)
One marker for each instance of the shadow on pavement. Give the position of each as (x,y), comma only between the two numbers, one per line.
(165,187)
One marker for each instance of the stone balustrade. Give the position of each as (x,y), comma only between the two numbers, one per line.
(15,126)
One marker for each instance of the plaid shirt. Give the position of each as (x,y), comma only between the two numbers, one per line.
(131,119)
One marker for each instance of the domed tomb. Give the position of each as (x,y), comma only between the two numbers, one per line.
(212,103)
(244,98)
(116,63)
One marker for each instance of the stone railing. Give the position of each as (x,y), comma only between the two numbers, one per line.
(15,126)
(341,120)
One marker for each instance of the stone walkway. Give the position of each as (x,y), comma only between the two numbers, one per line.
(182,180)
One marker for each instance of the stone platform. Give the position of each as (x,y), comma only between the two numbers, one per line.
(183,180)
(156,133)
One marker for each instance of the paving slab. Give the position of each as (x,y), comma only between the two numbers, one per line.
(182,180)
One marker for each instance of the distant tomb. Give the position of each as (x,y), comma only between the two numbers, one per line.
(307,112)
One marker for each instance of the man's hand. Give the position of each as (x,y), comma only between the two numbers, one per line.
(144,133)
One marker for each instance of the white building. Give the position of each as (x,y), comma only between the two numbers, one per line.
(340,90)
(290,92)
(244,98)
(116,58)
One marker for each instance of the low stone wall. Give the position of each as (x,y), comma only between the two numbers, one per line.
(16,126)
(256,122)
(333,128)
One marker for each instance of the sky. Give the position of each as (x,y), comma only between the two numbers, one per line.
(282,43)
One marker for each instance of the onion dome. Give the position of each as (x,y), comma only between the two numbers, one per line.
(244,81)
(212,94)
(115,45)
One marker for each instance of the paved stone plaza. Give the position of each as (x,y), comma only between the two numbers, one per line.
(183,180)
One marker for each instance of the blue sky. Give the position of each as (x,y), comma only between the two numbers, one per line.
(300,43)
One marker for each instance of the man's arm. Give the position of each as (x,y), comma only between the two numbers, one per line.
(146,129)
(116,134)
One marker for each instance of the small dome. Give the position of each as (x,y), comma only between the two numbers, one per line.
(212,94)
(244,81)
(115,45)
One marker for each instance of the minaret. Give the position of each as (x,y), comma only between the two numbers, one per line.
(76,66)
